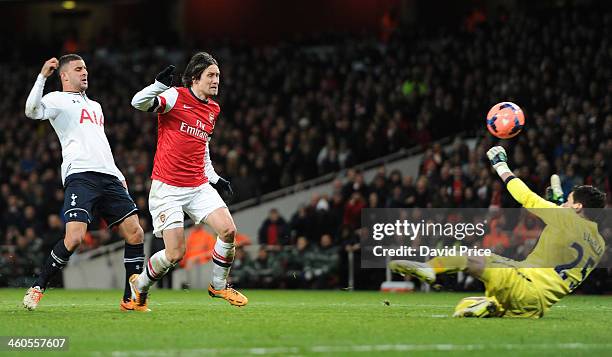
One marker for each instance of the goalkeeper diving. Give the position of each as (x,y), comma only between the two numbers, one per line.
(568,249)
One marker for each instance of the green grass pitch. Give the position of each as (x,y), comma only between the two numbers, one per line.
(189,323)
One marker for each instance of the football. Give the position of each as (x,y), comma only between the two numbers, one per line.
(505,120)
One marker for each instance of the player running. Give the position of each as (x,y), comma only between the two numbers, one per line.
(89,174)
(568,249)
(183,174)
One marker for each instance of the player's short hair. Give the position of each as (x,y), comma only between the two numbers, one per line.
(592,200)
(65,59)
(198,63)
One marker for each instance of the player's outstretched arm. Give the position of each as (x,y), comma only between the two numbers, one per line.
(517,188)
(34,108)
(147,99)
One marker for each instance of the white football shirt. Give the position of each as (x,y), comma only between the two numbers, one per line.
(79,124)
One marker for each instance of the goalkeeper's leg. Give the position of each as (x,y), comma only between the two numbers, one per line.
(475,266)
(157,266)
(427,271)
(479,306)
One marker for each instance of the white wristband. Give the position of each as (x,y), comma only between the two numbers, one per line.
(502,168)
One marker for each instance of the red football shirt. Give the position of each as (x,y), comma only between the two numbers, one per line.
(185,124)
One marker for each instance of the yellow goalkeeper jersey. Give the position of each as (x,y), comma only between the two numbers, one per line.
(568,249)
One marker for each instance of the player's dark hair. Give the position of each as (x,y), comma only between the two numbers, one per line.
(65,59)
(592,200)
(198,63)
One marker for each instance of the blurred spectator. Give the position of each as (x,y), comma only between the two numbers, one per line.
(274,231)
(321,266)
(302,224)
(26,258)
(496,239)
(266,270)
(352,210)
(198,248)
(295,263)
(242,269)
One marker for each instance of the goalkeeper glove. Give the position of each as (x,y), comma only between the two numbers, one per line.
(224,187)
(554,192)
(165,77)
(498,158)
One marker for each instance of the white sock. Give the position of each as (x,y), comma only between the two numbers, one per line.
(157,266)
(223,256)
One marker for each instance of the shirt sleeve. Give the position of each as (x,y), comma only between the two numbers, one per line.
(209,170)
(550,213)
(167,100)
(37,107)
(156,97)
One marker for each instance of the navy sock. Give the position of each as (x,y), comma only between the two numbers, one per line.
(56,261)
(133,259)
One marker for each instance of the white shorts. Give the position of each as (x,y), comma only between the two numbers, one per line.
(167,204)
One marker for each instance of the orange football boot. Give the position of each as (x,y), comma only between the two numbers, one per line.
(126,305)
(139,298)
(229,294)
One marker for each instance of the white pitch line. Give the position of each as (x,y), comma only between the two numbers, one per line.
(359,349)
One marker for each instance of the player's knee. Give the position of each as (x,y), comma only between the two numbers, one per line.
(135,236)
(73,239)
(475,265)
(228,233)
(175,254)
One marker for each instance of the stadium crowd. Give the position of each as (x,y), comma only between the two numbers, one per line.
(297,110)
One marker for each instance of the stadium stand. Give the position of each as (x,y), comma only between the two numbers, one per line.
(296,111)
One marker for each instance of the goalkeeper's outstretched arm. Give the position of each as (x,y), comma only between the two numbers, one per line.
(517,188)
